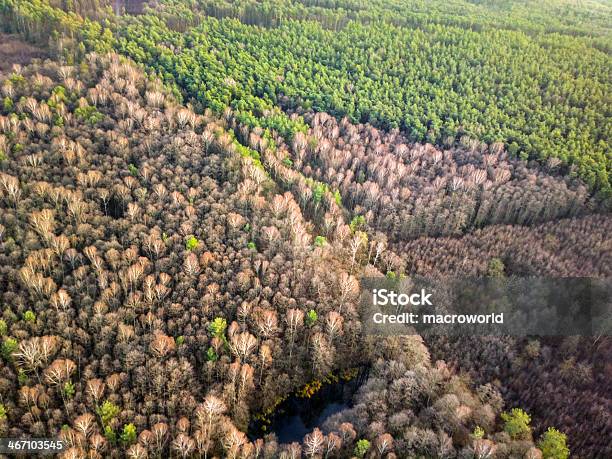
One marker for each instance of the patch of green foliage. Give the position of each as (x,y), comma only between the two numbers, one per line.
(320,241)
(9,345)
(29,316)
(68,389)
(89,114)
(133,170)
(22,377)
(17,78)
(211,355)
(496,268)
(217,327)
(478,432)
(7,104)
(247,152)
(110,435)
(311,317)
(516,424)
(128,435)
(318,192)
(361,448)
(192,243)
(338,198)
(107,412)
(553,444)
(358,223)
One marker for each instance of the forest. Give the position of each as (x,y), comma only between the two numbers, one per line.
(535,95)
(191,191)
(543,94)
